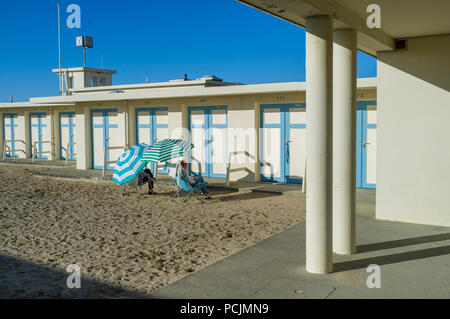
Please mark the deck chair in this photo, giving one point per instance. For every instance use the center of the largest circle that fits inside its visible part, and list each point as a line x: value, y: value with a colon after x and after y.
x: 183, y: 184
x: 137, y: 183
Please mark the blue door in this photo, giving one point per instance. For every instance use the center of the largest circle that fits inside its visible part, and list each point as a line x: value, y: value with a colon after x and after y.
x: 38, y: 134
x: 152, y: 125
x: 208, y: 129
x: 104, y: 130
x: 66, y: 134
x: 9, y: 133
x: 366, y: 144
x: 283, y: 142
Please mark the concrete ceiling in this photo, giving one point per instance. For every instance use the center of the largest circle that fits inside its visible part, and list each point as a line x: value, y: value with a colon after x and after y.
x: 407, y: 18
x: 399, y: 18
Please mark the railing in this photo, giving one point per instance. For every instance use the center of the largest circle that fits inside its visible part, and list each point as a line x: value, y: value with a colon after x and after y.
x: 6, y: 147
x: 198, y: 163
x: 157, y: 167
x: 68, y: 154
x: 36, y: 153
x: 230, y: 170
x: 105, y: 155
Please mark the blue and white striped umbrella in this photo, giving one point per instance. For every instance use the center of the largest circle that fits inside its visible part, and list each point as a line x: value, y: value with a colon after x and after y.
x: 130, y: 164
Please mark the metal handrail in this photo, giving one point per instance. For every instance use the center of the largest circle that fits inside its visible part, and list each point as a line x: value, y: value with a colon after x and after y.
x: 105, y: 162
x: 229, y: 170
x: 198, y: 163
x: 67, y: 152
x: 5, y: 146
x: 36, y: 153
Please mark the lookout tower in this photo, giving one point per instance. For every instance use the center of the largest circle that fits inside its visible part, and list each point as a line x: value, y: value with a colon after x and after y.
x: 83, y: 77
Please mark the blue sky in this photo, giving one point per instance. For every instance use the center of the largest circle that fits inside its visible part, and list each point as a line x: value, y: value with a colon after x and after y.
x: 156, y: 38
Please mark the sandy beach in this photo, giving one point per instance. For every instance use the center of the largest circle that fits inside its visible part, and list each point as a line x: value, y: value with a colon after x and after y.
x: 124, y: 246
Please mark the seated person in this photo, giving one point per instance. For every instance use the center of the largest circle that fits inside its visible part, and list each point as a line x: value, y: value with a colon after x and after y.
x: 147, y: 178
x: 195, y: 180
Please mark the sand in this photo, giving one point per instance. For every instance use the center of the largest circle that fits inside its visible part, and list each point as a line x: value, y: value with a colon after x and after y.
x: 124, y: 246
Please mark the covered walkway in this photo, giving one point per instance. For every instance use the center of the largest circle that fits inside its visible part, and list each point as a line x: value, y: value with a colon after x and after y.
x: 414, y: 259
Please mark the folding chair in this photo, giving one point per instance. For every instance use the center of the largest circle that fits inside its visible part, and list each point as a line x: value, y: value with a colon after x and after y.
x: 183, y: 185
x: 137, y: 183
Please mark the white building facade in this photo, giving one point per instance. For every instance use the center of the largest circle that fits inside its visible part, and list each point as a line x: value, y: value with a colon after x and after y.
x: 251, y: 132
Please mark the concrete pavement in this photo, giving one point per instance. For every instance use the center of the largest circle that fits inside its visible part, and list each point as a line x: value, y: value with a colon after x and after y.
x: 414, y: 262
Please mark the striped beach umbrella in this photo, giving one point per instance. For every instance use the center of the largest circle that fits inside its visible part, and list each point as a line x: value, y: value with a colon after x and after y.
x: 166, y: 150
x: 130, y: 164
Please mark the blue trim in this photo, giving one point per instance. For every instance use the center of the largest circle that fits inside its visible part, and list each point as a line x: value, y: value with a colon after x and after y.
x: 39, y: 126
x: 153, y: 126
x: 105, y: 126
x: 208, y: 126
x: 284, y: 126
x: 12, y: 126
x: 71, y: 125
x: 361, y: 152
x: 280, y: 126
x: 297, y: 125
x: 359, y: 139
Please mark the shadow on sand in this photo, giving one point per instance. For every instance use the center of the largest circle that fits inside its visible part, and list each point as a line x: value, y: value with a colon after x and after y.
x: 227, y: 195
x: 20, y: 279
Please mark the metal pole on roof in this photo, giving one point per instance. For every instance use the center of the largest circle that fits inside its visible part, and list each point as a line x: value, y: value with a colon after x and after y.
x: 84, y: 56
x: 59, y: 49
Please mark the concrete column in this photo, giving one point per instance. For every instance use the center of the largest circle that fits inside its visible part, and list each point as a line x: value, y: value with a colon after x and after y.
x: 57, y: 137
x: 132, y: 124
x: 344, y: 141
x: 258, y: 134
x: 83, y: 138
x: 122, y: 117
x: 319, y: 106
x: 178, y: 122
x: 185, y: 121
x: 51, y: 123
x: 27, y: 129
x: 2, y: 138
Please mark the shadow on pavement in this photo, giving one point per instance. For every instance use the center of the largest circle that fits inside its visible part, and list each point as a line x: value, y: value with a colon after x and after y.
x: 391, y: 259
x: 403, y: 242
